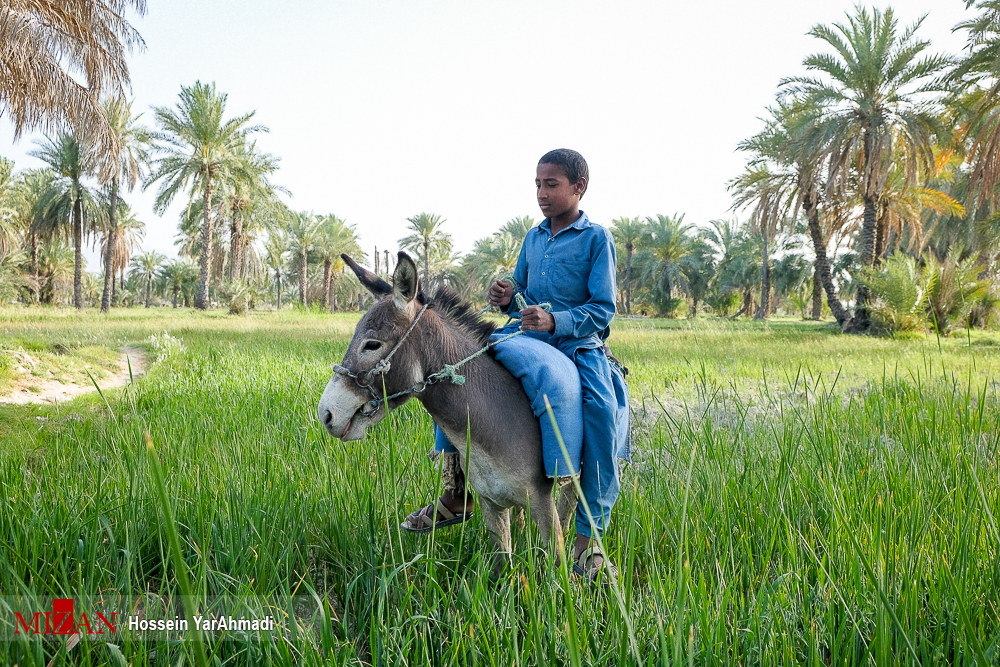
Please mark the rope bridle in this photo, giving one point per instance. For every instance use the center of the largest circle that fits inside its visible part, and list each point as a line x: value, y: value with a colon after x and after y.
x: 449, y: 372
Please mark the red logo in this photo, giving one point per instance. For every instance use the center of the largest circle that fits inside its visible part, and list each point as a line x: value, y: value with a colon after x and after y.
x: 62, y: 621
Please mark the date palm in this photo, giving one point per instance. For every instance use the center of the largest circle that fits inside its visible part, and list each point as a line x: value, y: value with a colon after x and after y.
x: 247, y: 190
x: 981, y: 68
x: 628, y: 232
x: 303, y: 236
x: 200, y: 151
x: 275, y: 258
x: 145, y: 267
x: 874, y: 89
x: 127, y: 233
x: 428, y: 240
x: 794, y: 148
x: 58, y: 58
x: 336, y: 237
x: 27, y: 193
x: 10, y: 223
x: 666, y: 242
x: 72, y: 162
x: 125, y: 167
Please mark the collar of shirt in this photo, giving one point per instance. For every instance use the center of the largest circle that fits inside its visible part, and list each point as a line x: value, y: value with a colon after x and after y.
x: 581, y: 223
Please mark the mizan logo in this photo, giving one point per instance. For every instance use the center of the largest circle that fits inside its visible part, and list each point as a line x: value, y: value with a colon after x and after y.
x: 62, y: 621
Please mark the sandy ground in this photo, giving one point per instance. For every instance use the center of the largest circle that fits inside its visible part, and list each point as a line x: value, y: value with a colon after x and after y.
x: 54, y: 392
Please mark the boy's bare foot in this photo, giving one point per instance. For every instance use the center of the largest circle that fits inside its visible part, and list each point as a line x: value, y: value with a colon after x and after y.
x: 590, y: 562
x: 451, y: 508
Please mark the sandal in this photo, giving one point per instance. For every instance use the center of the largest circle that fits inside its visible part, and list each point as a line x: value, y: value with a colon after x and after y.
x: 601, y: 574
x: 426, y: 524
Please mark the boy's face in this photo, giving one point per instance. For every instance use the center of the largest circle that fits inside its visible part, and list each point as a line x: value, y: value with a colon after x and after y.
x: 556, y: 195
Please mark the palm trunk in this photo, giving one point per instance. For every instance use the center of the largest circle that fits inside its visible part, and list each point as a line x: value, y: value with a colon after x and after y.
x: 202, y: 301
x: 327, y: 271
x: 427, y: 266
x: 862, y: 315
x: 176, y: 289
x: 34, y: 265
x: 149, y: 285
x: 236, y: 247
x: 333, y: 294
x: 279, y: 292
x: 302, y: 277
x: 881, y: 227
x: 78, y: 252
x: 822, y: 261
x: 628, y: 278
x: 110, y: 249
x: 765, y: 287
x: 817, y: 300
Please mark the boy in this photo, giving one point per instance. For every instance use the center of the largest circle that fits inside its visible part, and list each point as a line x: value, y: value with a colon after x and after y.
x: 570, y: 263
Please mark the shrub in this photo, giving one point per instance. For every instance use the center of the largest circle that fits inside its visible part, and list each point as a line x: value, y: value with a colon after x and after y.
x: 901, y: 289
x: 956, y: 290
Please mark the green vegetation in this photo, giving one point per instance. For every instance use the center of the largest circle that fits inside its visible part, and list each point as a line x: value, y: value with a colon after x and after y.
x: 797, y: 496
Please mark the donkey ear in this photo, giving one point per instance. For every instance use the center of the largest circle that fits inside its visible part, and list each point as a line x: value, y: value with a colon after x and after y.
x: 375, y: 285
x: 405, y: 281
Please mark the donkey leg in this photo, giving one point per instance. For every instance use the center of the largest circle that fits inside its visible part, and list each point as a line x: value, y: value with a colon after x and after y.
x: 497, y: 520
x: 518, y: 519
x: 543, y: 513
x: 567, y: 502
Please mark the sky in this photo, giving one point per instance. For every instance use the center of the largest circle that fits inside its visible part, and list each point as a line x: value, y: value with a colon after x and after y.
x: 382, y: 110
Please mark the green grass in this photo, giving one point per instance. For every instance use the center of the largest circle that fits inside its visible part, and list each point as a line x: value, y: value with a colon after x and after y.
x: 797, y: 497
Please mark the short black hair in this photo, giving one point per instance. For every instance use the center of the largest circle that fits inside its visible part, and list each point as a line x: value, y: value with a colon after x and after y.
x: 572, y: 164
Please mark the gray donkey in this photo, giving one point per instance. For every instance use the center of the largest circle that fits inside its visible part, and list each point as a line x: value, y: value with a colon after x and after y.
x: 405, y: 338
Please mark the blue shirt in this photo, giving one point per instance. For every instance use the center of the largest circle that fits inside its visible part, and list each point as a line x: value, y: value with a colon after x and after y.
x: 575, y: 272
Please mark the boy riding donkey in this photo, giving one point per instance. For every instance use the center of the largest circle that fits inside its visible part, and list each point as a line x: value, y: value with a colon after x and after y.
x: 568, y: 263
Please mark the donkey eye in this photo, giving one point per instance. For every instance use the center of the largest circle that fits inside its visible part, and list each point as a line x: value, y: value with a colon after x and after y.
x: 372, y: 345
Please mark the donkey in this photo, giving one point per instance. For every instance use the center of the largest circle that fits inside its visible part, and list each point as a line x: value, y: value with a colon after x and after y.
x: 504, y: 464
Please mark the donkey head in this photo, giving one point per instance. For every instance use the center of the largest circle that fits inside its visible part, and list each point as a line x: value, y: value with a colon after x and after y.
x: 345, y: 408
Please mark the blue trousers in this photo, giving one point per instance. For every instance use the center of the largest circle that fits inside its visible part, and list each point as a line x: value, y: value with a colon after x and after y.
x: 591, y: 406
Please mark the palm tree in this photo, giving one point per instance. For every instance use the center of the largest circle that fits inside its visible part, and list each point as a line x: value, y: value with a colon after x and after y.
x: 71, y: 162
x: 628, y: 232
x: 979, y: 110
x: 303, y: 234
x: 57, y: 59
x: 134, y: 143
x: 201, y: 150
x: 28, y: 194
x: 427, y: 239
x: 248, y: 189
x: 666, y: 242
x: 177, y: 275
x: 335, y: 238
x: 876, y: 89
x: 793, y: 152
x: 275, y: 249
x: 11, y: 225
x: 518, y: 227
x: 128, y: 230
x: 772, y: 195
x: 55, y: 264
x: 145, y: 266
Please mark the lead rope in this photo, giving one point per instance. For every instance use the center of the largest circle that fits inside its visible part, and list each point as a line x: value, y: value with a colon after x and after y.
x: 449, y: 372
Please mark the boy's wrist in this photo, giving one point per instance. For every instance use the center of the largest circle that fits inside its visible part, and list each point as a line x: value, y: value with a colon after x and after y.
x: 563, y: 323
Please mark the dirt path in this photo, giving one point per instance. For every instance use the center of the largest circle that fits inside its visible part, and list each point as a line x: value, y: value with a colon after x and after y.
x: 53, y: 391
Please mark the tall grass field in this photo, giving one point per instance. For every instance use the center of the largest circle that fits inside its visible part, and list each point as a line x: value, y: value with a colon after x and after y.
x: 797, y: 497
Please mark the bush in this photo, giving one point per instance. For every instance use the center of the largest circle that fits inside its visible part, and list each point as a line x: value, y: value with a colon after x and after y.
x: 956, y: 291
x: 900, y: 289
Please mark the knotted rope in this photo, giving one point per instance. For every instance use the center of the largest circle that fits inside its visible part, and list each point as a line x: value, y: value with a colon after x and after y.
x: 449, y: 372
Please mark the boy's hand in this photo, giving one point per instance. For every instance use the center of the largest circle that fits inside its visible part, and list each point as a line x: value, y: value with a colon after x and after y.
x: 534, y: 318
x: 500, y: 294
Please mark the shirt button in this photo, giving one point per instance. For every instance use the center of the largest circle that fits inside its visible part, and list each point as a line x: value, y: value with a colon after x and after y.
x: 543, y: 273
x: 546, y: 255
